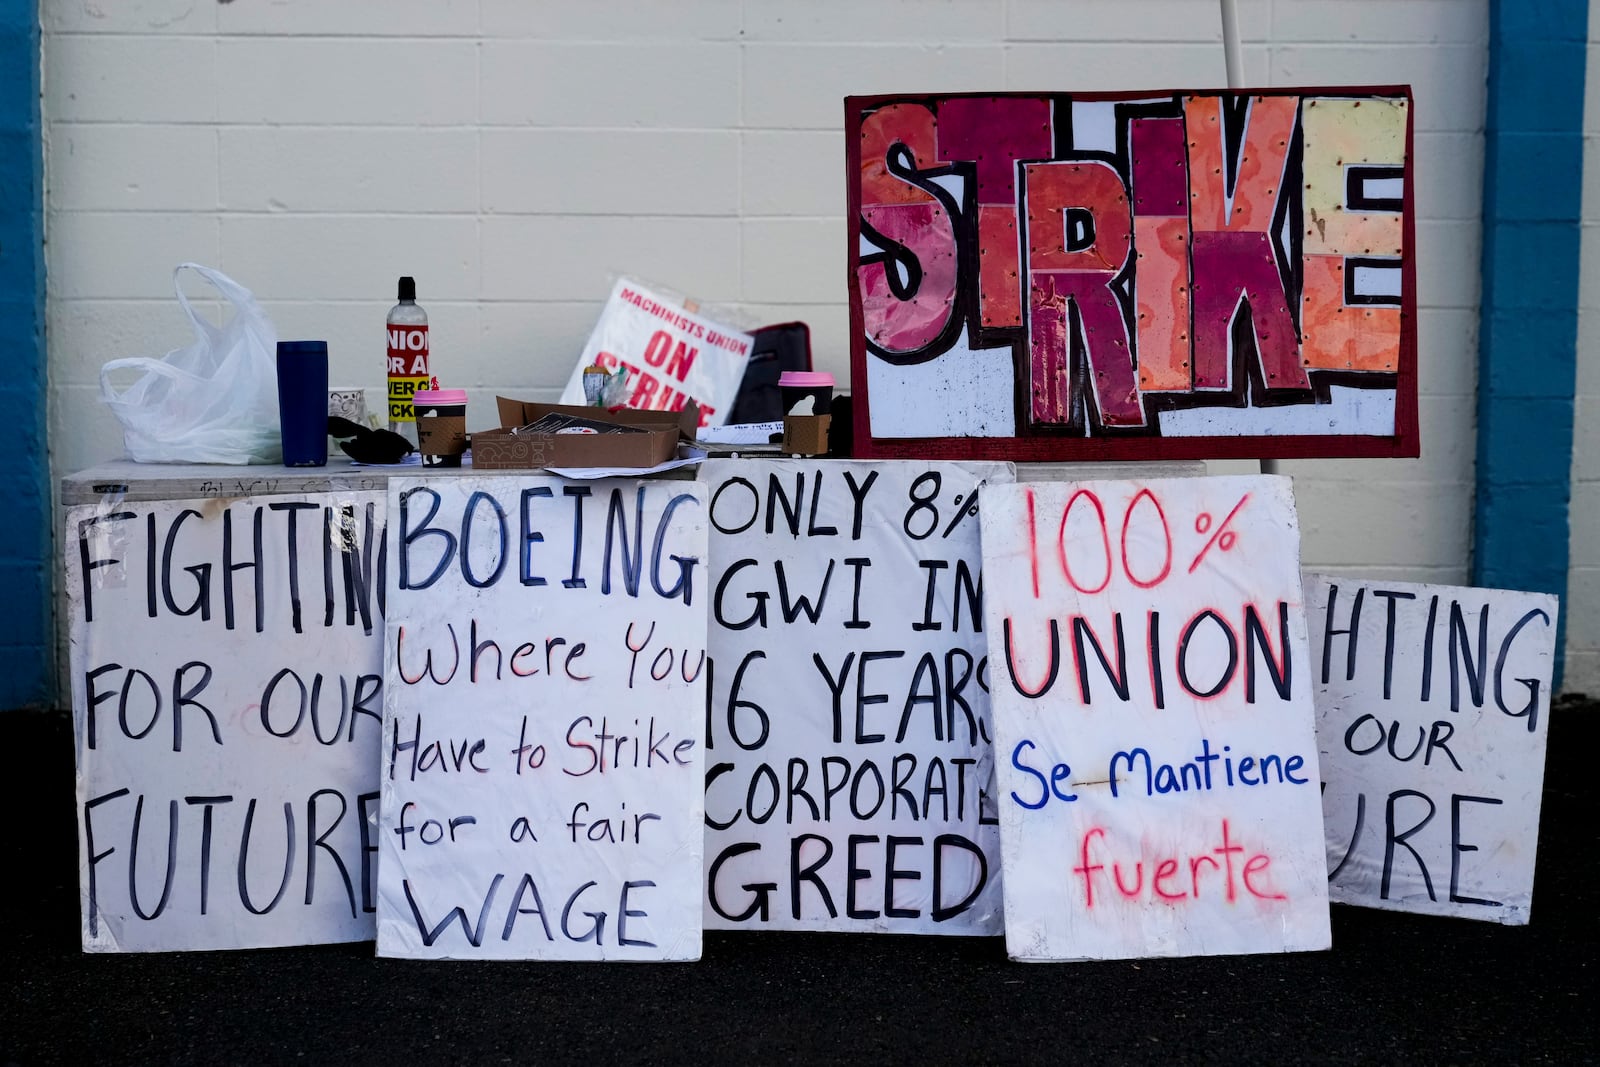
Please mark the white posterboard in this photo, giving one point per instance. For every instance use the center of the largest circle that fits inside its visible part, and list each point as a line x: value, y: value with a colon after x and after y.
x: 542, y: 770
x: 849, y: 764
x: 672, y: 355
x: 227, y: 700
x: 1153, y: 719
x: 1432, y: 707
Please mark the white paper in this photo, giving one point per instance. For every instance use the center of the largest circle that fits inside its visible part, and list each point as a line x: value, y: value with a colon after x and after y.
x: 1433, y: 703
x: 227, y: 698
x: 1153, y: 719
x: 850, y: 774
x: 590, y: 474
x: 542, y: 771
x: 744, y: 433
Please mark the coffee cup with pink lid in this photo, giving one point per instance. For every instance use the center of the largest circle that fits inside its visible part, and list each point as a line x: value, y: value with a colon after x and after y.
x: 441, y: 426
x: 806, y: 392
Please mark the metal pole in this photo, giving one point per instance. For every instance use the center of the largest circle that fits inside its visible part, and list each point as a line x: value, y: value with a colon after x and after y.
x: 1235, y: 68
x: 1230, y: 44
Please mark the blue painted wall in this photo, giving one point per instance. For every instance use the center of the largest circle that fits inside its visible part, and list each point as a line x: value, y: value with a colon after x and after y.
x: 1527, y: 358
x: 27, y: 640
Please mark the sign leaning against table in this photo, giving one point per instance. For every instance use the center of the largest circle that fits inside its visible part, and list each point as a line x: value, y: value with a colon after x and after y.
x: 1153, y: 719
x: 541, y: 766
x: 1433, y: 704
x: 227, y: 693
x: 849, y: 754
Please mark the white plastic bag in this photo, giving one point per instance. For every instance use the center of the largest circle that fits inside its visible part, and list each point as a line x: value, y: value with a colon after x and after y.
x: 214, y: 401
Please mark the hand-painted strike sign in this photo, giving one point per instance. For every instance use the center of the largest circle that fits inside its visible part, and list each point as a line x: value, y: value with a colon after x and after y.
x: 541, y: 766
x: 1153, y: 720
x: 849, y: 764
x: 1432, y: 708
x: 228, y: 698
x: 1133, y: 275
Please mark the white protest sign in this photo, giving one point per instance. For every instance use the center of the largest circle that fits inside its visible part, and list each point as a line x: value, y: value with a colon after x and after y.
x: 1153, y: 719
x: 849, y: 765
x: 1432, y: 707
x: 227, y: 698
x: 672, y: 355
x: 542, y: 771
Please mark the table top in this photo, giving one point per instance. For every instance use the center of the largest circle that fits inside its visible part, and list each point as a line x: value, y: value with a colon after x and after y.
x: 179, y: 481
x: 127, y: 480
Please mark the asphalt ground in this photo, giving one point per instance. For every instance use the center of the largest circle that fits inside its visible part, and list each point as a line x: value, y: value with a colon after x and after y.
x: 1394, y: 989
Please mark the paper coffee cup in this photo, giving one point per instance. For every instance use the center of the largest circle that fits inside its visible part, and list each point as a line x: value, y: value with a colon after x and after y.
x: 807, y: 401
x: 806, y: 392
x: 441, y: 426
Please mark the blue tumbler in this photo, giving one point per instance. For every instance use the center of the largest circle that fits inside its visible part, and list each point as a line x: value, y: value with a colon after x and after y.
x: 303, y: 402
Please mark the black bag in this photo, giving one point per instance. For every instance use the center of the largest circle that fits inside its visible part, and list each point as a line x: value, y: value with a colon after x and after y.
x: 786, y: 346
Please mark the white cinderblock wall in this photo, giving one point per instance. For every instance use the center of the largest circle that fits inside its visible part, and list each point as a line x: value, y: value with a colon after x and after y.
x: 514, y: 154
x: 1582, y: 603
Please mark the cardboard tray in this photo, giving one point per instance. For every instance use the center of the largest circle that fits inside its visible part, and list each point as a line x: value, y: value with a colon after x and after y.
x: 503, y: 450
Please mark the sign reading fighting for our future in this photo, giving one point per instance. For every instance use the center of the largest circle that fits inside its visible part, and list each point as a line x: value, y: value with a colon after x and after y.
x: 1153, y: 718
x: 849, y: 766
x: 1432, y: 707
x: 541, y: 763
x: 227, y: 698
